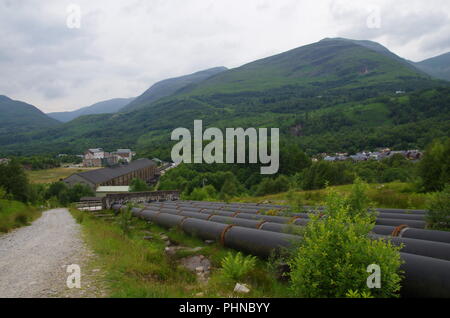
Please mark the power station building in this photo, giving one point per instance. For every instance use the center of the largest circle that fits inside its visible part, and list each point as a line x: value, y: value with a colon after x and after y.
x: 119, y: 175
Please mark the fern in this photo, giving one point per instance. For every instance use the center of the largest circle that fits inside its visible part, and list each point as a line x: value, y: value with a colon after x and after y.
x: 235, y: 267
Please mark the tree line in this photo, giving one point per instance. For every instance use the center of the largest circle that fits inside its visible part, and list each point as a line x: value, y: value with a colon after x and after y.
x: 16, y: 186
x: 298, y: 171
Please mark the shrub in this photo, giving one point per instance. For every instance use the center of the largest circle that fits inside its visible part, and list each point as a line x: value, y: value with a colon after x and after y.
x: 229, y: 187
x: 335, y: 252
x: 434, y: 168
x: 14, y: 180
x: 138, y: 185
x: 79, y: 217
x: 2, y: 196
x: 438, y: 216
x: 202, y: 194
x: 358, y: 200
x: 2, y: 193
x: 235, y: 267
x: 273, y: 186
x: 75, y: 193
x: 125, y: 220
x: 21, y: 219
x: 295, y: 201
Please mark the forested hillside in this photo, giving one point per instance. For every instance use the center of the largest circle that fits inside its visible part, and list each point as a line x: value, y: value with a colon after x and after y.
x: 170, y: 86
x: 17, y: 117
x: 438, y: 66
x: 334, y: 95
x: 104, y: 107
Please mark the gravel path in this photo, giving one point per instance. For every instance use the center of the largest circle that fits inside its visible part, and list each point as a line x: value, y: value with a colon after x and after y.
x: 34, y: 259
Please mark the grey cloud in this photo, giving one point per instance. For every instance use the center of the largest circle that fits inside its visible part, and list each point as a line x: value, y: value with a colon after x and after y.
x: 124, y: 47
x: 403, y: 23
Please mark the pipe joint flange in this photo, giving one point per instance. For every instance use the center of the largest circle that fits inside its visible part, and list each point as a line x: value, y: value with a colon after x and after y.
x: 224, y: 232
x: 399, y: 230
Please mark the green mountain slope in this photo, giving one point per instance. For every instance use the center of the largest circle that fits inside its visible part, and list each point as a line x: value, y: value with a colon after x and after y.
x: 329, y: 63
x: 171, y: 86
x: 328, y: 96
x: 17, y: 117
x: 103, y: 107
x: 438, y: 66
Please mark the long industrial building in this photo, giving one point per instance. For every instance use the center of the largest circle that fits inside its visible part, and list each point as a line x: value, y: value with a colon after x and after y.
x: 120, y: 175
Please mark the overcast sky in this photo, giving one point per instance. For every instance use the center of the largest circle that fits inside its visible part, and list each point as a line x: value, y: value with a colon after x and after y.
x: 122, y: 47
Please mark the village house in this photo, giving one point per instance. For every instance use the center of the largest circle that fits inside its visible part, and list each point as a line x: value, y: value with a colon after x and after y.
x: 4, y: 160
x: 119, y: 175
x: 97, y: 157
x: 124, y: 154
x: 380, y: 154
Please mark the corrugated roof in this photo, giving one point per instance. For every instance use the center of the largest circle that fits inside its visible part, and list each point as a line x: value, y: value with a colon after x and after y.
x: 106, y: 174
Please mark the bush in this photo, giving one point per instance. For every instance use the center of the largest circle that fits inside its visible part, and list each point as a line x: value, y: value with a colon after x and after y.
x: 15, y: 214
x: 75, y: 193
x: 198, y: 194
x: 138, y: 185
x: 235, y: 267
x: 438, y: 216
x: 14, y: 181
x: 202, y: 194
x: 358, y: 201
x: 21, y: 219
x: 295, y: 201
x: 2, y: 193
x: 335, y: 252
x: 58, y: 191
x: 434, y: 168
x: 125, y: 221
x: 273, y: 186
x: 322, y: 173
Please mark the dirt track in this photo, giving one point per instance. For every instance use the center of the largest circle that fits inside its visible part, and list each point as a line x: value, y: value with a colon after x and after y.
x: 34, y: 259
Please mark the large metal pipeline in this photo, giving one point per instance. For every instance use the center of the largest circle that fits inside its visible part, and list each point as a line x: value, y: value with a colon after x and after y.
x: 408, y: 232
x: 277, y: 207
x: 227, y: 233
x: 418, y: 247
x: 389, y: 215
x: 424, y: 276
x: 398, y: 222
x: 380, y: 215
x: 413, y: 246
x: 385, y: 218
x: 383, y: 227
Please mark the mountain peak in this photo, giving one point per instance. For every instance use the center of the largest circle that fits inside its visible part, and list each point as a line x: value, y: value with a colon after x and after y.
x: 18, y: 116
x: 4, y: 98
x: 438, y: 66
x: 172, y: 86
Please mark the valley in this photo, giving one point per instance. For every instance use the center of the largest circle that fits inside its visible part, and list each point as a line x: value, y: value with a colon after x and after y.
x: 363, y: 158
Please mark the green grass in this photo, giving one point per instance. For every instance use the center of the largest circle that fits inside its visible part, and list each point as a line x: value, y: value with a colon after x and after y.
x: 14, y: 214
x: 136, y: 267
x: 53, y: 175
x: 395, y: 195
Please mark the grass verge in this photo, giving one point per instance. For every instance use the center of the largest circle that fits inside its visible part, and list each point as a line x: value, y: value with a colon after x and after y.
x: 136, y: 267
x: 395, y: 195
x: 14, y: 214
